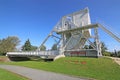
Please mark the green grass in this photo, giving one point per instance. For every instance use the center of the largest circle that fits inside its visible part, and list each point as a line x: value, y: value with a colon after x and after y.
x: 6, y: 75
x: 97, y: 68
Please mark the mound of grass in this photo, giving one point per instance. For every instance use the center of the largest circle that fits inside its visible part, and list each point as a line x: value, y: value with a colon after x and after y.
x: 5, y: 75
x: 97, y: 68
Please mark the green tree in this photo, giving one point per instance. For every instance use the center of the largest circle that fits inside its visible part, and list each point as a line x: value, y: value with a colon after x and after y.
x: 43, y: 48
x: 118, y: 54
x: 90, y: 47
x: 34, y: 48
x: 27, y: 46
x: 106, y: 53
x: 86, y: 47
x: 103, y: 48
x: 54, y: 47
x: 9, y: 44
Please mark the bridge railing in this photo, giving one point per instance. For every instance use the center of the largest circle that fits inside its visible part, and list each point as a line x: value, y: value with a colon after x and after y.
x: 33, y: 53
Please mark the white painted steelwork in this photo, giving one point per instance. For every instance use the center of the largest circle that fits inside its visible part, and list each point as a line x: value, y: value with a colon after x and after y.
x: 73, y: 34
x: 33, y: 53
x: 74, y: 31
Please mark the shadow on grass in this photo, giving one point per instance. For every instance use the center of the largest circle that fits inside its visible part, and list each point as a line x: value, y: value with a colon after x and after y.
x: 36, y: 59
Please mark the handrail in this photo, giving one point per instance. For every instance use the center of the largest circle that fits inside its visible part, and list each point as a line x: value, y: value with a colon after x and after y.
x: 33, y: 53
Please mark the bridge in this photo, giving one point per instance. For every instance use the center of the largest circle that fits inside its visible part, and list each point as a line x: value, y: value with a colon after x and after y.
x: 53, y: 55
x: 73, y: 32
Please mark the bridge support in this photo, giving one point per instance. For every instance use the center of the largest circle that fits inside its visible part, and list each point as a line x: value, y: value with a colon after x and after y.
x: 98, y: 44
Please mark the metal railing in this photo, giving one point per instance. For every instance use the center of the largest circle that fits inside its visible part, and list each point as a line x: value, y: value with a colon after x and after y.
x: 33, y: 53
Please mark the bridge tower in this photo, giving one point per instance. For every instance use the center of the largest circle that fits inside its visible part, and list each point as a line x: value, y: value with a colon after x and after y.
x: 74, y: 32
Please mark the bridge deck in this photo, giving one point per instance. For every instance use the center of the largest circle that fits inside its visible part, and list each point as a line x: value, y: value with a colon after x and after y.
x: 42, y: 54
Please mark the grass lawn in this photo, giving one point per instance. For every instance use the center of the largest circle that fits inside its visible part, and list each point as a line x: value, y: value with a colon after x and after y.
x: 97, y: 68
x: 6, y: 75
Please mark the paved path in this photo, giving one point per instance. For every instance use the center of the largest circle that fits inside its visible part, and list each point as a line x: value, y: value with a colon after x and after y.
x: 34, y: 74
x: 117, y: 60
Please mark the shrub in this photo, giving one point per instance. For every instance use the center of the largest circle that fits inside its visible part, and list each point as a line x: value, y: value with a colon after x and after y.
x: 106, y: 53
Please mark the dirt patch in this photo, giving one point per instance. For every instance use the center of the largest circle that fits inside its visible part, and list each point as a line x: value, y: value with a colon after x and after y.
x: 4, y: 59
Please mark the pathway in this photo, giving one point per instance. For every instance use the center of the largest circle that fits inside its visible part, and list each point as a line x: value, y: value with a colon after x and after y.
x: 117, y: 60
x: 34, y: 74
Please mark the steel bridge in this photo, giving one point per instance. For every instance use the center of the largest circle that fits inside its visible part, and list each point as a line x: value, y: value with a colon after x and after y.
x: 73, y: 32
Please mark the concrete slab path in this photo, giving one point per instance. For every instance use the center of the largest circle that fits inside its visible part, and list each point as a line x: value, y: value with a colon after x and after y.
x: 117, y: 60
x: 34, y: 74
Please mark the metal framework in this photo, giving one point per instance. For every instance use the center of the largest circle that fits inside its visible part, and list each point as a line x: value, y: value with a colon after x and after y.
x: 73, y: 30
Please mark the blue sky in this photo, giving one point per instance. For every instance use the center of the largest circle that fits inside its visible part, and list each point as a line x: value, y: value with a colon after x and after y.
x: 34, y: 19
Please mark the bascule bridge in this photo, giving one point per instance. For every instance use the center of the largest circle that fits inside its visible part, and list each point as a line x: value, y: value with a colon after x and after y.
x: 73, y: 31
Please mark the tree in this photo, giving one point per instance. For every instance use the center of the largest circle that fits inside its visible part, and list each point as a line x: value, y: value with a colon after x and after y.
x: 54, y: 47
x: 90, y: 47
x: 118, y: 54
x: 103, y: 48
x: 43, y: 48
x: 86, y: 47
x: 9, y: 44
x: 33, y: 48
x: 106, y: 53
x: 27, y: 46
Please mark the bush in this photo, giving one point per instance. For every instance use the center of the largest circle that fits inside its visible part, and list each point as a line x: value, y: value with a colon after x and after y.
x: 2, y: 54
x: 119, y: 55
x: 106, y: 54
